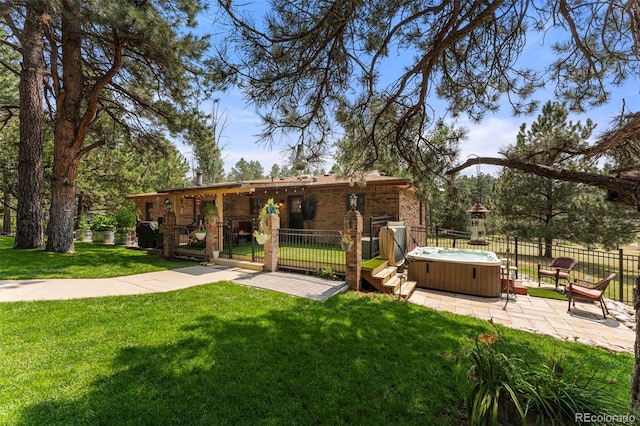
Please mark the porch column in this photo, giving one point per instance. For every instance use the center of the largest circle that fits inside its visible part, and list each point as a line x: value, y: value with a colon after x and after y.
x: 212, y: 238
x: 353, y: 225
x: 271, y: 246
x: 169, y: 235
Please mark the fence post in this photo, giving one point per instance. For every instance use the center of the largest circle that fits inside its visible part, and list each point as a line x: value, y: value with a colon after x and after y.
x: 211, y: 238
x: 271, y: 246
x: 621, y: 274
x: 169, y: 235
x: 353, y: 269
x: 515, y: 253
x: 437, y: 232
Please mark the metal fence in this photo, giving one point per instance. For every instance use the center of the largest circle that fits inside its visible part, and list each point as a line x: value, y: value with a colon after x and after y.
x: 238, y: 240
x: 187, y: 245
x: 526, y: 255
x: 313, y: 251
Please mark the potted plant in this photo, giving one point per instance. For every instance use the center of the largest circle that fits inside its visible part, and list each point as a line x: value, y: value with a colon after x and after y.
x: 210, y: 209
x: 126, y: 219
x: 201, y: 232
x: 103, y: 228
x: 346, y: 242
x: 270, y: 207
x: 260, y: 236
x: 83, y: 233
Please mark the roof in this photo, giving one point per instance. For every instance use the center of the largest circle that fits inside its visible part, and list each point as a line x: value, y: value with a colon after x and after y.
x: 325, y: 181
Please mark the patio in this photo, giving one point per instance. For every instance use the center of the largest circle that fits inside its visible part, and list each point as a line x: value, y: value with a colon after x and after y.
x: 583, y: 324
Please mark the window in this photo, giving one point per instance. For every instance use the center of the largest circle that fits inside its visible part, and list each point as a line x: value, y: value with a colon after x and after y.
x: 148, y: 209
x: 254, y: 206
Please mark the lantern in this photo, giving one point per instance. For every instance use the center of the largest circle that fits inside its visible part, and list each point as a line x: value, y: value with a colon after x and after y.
x: 353, y: 202
x: 478, y: 228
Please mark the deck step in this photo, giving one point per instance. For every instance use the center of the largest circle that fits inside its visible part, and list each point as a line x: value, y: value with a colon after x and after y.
x: 406, y: 289
x: 393, y: 282
x: 386, y: 273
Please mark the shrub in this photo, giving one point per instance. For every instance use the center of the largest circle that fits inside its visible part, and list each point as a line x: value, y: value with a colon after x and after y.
x: 103, y: 223
x: 503, y: 386
x: 126, y: 218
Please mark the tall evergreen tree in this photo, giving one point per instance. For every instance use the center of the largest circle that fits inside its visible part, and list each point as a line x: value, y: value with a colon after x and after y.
x: 132, y: 63
x: 548, y: 209
x: 9, y: 134
x: 206, y: 136
x: 246, y: 170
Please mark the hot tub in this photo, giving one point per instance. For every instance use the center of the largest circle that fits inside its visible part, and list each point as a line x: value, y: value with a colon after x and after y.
x: 475, y: 272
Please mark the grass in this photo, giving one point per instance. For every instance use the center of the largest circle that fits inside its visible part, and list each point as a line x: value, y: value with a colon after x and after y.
x: 90, y: 261
x: 328, y: 253
x: 547, y: 293
x: 228, y: 354
x: 372, y: 264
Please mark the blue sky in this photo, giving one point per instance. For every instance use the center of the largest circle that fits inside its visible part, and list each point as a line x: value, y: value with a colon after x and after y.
x: 486, y: 138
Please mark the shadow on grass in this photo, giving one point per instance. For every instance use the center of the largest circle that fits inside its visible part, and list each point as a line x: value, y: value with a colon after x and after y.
x: 329, y: 363
x: 349, y: 360
x: 90, y: 261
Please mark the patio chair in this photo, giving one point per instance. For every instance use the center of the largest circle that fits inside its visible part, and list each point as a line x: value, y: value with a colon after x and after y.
x: 589, y: 292
x: 558, y: 269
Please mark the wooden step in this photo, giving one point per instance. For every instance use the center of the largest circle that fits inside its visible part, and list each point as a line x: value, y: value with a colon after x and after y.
x: 406, y: 289
x: 385, y: 274
x: 393, y: 282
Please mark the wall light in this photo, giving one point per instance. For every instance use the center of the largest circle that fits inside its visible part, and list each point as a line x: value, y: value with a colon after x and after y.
x: 353, y: 202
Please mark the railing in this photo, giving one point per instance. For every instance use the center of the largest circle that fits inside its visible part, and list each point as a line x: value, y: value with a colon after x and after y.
x: 239, y: 242
x: 187, y: 245
x: 314, y: 251
x: 526, y: 255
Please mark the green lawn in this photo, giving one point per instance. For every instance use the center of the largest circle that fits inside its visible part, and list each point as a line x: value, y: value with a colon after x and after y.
x: 90, y: 261
x: 229, y: 354
x: 327, y: 253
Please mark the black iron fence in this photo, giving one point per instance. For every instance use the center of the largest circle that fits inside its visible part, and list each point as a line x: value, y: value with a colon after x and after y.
x: 238, y: 240
x: 190, y: 243
x: 313, y: 251
x: 526, y: 255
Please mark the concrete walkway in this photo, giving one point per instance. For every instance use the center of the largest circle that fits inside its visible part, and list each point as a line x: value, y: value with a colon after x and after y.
x: 153, y: 282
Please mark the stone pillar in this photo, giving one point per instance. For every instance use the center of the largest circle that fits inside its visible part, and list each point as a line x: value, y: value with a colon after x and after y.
x: 211, y: 240
x: 353, y: 225
x: 271, y: 246
x: 169, y: 235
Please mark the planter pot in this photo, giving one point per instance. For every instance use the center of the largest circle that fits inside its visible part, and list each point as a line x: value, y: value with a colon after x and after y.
x: 346, y: 246
x: 271, y: 209
x: 84, y: 235
x: 216, y: 254
x: 261, y: 239
x: 122, y: 238
x: 200, y: 235
x: 104, y: 237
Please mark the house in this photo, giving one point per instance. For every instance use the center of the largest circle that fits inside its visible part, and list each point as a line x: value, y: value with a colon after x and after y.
x: 316, y: 202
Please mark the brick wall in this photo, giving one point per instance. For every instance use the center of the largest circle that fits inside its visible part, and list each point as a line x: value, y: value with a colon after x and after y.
x: 330, y: 205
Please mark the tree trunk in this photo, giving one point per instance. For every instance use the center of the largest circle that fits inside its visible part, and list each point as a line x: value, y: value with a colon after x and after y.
x: 635, y: 375
x: 66, y: 137
x: 29, y: 231
x: 63, y: 191
x: 6, y: 219
x: 548, y: 247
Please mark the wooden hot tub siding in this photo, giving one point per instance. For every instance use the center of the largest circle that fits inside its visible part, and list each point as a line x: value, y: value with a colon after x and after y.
x: 477, y: 280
